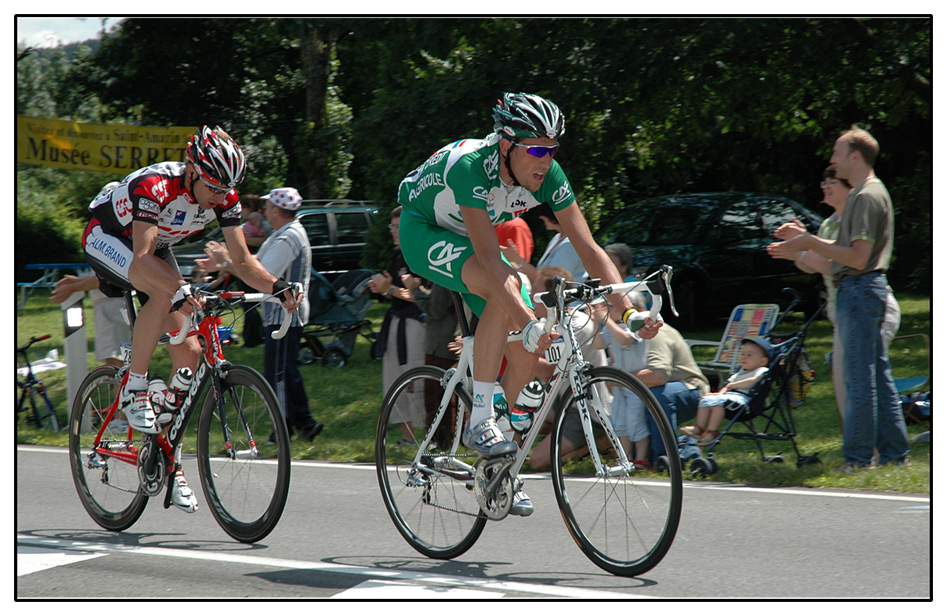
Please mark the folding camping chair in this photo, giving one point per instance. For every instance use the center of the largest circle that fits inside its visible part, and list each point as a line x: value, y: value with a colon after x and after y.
x: 746, y: 321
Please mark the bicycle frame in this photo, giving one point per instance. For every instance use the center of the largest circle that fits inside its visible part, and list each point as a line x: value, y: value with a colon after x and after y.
x: 30, y: 383
x: 210, y: 369
x: 570, y: 365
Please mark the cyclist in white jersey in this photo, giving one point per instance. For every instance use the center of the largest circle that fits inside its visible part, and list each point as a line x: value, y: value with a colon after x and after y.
x: 451, y: 203
x: 127, y: 244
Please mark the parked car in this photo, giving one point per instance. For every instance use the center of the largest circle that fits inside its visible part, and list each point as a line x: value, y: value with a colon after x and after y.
x: 716, y: 244
x: 337, y: 230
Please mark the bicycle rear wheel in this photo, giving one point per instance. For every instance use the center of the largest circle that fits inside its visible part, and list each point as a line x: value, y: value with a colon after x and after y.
x: 432, y: 503
x: 246, y: 475
x: 623, y: 520
x: 108, y: 487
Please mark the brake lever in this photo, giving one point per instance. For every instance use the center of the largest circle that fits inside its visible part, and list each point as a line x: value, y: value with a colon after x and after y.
x: 666, y: 273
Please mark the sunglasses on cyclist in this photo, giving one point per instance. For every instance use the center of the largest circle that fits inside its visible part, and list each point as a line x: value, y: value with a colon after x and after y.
x: 218, y: 190
x: 539, y: 151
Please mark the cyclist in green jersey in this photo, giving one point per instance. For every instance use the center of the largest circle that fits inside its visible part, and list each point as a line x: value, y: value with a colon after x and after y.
x: 451, y: 203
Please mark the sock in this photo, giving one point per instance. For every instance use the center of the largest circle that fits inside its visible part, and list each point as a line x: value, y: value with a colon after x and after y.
x: 484, y: 392
x: 136, y: 382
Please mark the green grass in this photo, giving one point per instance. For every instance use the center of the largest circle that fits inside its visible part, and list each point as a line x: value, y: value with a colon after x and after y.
x: 346, y: 400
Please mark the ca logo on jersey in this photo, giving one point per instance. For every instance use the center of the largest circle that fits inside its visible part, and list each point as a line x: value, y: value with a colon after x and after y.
x: 492, y: 165
x: 562, y: 194
x: 441, y: 255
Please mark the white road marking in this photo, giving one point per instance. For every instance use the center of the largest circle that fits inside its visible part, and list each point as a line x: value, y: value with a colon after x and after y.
x: 404, y: 576
x: 30, y: 559
x: 389, y: 590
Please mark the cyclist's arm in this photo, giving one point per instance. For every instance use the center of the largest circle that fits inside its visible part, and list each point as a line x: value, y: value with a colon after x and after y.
x: 502, y: 283
x: 595, y: 260
x: 148, y: 272
x: 248, y: 268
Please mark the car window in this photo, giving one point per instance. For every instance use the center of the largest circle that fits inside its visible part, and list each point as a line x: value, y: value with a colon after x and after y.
x: 775, y: 213
x: 318, y: 230
x: 741, y: 222
x: 351, y: 227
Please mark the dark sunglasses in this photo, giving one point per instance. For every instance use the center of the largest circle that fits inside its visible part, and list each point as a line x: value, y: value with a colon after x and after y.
x: 539, y: 151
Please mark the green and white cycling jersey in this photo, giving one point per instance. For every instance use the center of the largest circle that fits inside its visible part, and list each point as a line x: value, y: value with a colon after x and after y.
x: 467, y: 173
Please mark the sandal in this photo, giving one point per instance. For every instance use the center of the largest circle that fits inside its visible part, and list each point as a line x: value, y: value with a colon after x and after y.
x: 708, y: 437
x: 640, y: 465
x: 693, y: 431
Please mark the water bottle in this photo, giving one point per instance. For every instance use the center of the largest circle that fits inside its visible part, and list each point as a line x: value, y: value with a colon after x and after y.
x: 529, y: 401
x: 177, y: 389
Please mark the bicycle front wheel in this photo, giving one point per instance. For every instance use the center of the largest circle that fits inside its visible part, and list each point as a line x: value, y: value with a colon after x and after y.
x: 244, y: 455
x: 623, y: 520
x: 108, y: 485
x: 431, y: 503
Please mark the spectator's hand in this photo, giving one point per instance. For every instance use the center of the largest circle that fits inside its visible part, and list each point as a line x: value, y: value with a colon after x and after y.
x: 380, y: 283
x: 218, y: 256
x: 782, y: 250
x: 65, y: 287
x: 790, y: 230
x: 650, y: 329
x: 455, y: 346
x: 598, y: 311
x: 411, y: 282
x: 511, y: 253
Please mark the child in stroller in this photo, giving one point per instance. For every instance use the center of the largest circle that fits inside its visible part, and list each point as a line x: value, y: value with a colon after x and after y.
x: 755, y: 354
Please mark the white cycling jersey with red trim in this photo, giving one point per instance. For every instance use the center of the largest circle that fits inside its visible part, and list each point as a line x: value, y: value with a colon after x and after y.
x: 157, y: 194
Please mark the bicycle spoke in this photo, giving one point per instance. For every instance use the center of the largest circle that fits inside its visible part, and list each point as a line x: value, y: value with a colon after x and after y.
x: 623, y: 520
x: 431, y: 501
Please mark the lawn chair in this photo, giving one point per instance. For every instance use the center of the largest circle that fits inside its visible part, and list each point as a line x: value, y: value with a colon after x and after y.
x: 746, y: 321
x: 914, y: 391
x: 768, y: 416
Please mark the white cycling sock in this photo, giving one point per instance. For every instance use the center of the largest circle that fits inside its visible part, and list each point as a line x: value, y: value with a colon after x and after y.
x: 136, y: 382
x: 483, y: 394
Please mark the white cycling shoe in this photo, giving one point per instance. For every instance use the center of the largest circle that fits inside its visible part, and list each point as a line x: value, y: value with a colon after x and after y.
x: 183, y: 497
x: 139, y: 412
x: 487, y: 439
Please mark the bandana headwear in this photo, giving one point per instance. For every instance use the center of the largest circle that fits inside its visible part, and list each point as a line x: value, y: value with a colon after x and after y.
x: 284, y: 198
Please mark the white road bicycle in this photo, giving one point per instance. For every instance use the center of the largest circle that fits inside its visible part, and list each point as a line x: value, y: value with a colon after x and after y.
x: 441, y: 496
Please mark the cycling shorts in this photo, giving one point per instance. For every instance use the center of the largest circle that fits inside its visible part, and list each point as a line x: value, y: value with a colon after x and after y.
x: 437, y: 254
x: 110, y: 257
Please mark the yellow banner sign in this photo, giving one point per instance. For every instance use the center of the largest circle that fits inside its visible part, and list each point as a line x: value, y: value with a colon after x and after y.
x: 98, y: 147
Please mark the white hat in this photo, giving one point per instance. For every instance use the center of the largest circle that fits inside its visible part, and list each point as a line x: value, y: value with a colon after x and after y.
x: 284, y: 198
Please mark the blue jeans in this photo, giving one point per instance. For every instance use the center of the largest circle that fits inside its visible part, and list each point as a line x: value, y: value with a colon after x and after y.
x: 675, y: 397
x: 872, y: 414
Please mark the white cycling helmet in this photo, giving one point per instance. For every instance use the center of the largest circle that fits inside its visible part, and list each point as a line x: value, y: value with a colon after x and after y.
x: 217, y: 157
x: 523, y: 116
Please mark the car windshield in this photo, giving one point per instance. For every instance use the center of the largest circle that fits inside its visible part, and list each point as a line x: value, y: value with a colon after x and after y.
x: 658, y: 223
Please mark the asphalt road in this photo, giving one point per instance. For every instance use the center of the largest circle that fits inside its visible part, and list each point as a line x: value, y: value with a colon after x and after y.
x: 335, y: 540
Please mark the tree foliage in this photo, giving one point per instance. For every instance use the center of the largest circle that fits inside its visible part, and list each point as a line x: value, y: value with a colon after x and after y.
x: 347, y: 106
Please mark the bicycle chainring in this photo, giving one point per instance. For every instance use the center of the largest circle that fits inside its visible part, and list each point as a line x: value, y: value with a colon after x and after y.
x: 153, y: 475
x: 495, y: 504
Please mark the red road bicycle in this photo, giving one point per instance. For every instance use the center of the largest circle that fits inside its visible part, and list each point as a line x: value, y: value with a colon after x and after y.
x: 243, y: 449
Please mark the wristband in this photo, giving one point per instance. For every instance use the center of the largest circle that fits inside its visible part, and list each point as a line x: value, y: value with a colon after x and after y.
x: 801, y: 257
x: 280, y: 285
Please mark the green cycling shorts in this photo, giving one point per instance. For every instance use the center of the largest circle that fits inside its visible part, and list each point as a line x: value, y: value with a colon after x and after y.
x: 437, y: 254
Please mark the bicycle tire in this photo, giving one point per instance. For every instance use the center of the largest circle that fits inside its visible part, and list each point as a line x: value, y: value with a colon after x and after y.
x: 108, y: 488
x: 626, y: 522
x: 436, y: 514
x: 47, y: 420
x: 247, y: 492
